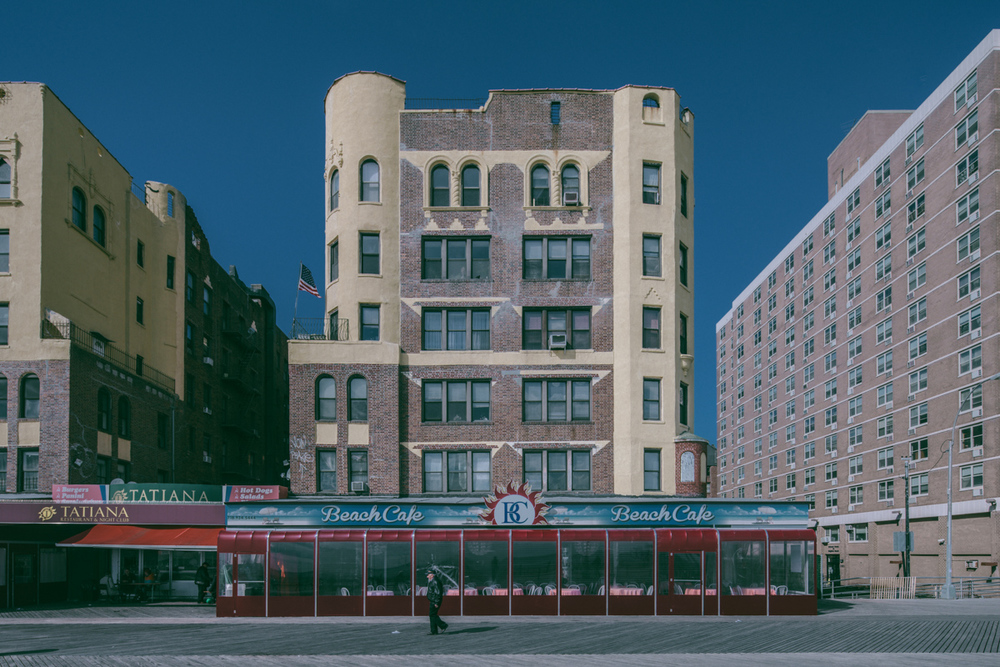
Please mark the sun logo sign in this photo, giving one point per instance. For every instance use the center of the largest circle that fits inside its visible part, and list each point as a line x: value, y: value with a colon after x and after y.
x: 514, y: 505
x: 46, y: 513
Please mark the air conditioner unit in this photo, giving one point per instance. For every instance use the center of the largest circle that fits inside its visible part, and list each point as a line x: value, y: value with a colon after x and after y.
x: 850, y: 508
x: 970, y: 101
x: 974, y: 256
x: 910, y: 330
x: 888, y: 372
x: 909, y: 261
x: 791, y: 466
x: 557, y: 341
x: 850, y: 449
x: 888, y: 438
x: 207, y: 410
x: 850, y: 390
x: 973, y: 138
x: 848, y: 247
x: 977, y: 372
x: 975, y: 334
x: 911, y: 397
x: 977, y: 412
x: 974, y: 216
x: 911, y: 364
x: 977, y: 451
x: 973, y: 176
x: 889, y: 503
x: 850, y: 478
x: 977, y: 492
x: 850, y: 302
x: 850, y: 420
x: 209, y: 361
x: 205, y: 457
x: 833, y: 510
x: 909, y: 193
x: 909, y: 228
x: 850, y: 361
x: 888, y: 405
x: 357, y: 487
x: 908, y: 161
x: 889, y: 470
x: 974, y: 295
x: 571, y: 199
x: 911, y: 431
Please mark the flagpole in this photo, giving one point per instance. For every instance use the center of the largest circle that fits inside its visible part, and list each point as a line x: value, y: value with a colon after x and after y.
x: 295, y: 312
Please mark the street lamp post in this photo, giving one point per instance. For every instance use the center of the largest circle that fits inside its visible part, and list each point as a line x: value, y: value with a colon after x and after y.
x: 906, y: 521
x: 949, y: 588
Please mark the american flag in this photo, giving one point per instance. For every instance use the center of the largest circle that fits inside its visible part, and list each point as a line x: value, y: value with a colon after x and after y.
x: 306, y: 281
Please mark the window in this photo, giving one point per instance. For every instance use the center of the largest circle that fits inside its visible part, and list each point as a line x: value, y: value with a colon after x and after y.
x: 883, y: 236
x: 916, y: 277
x: 326, y: 398
x: 966, y: 92
x: 915, y: 208
x: 967, y: 130
x: 916, y: 243
x: 466, y: 259
x: 335, y: 261
x: 103, y: 410
x: 556, y: 400
x: 854, y: 259
x: 854, y: 376
x: 807, y: 245
x: 27, y: 470
x: 968, y: 245
x: 915, y: 174
x: 830, y: 362
x: 807, y: 270
x: 170, y: 204
x: 884, y: 395
x: 171, y: 265
x: 884, y: 426
x: 830, y: 446
x: 857, y: 532
x: 456, y: 400
x: 808, y: 374
x: 853, y: 201
x: 651, y: 470
x: 326, y: 470
x: 918, y: 381
x: 651, y: 257
x: 651, y: 399
x: 915, y: 140
x: 369, y: 181
x: 919, y: 450
x: 440, y: 186
x: 560, y: 470
x: 885, y: 459
x: 682, y: 339
x: 968, y: 284
x: 650, y: 183
x: 882, y: 174
x: 4, y: 323
x: 969, y: 360
x: 466, y: 329
x: 918, y: 346
x: 830, y: 334
x: 540, y: 185
x: 334, y: 190
x: 967, y: 168
x: 651, y: 329
x: 79, y: 209
x: 139, y: 316
x: 466, y: 471
x: 883, y: 300
x: 831, y: 472
x: 830, y: 252
x: 972, y: 476
x: 556, y: 258
x: 969, y: 321
x: 357, y: 405
x: 5, y: 193
x: 369, y: 249
x: 100, y: 226
x: 918, y: 415
x: 124, y: 418
x: 830, y: 225
x: 853, y: 230
x: 917, y: 312
x: 140, y: 253
x: 971, y: 436
x: 883, y: 268
x: 369, y: 322
x: 553, y: 328
x: 571, y: 185
x: 831, y: 417
x: 971, y: 398
x: 357, y: 468
x: 883, y: 332
x: 29, y: 395
x: 830, y: 389
x: 919, y: 485
x: 883, y: 363
x: 189, y: 337
x: 684, y: 194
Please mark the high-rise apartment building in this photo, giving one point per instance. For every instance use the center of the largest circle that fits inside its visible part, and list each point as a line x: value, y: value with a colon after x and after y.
x: 853, y: 353
x: 126, y: 351
x: 509, y: 297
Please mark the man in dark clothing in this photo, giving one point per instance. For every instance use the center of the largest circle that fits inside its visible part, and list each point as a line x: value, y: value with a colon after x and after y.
x: 202, y: 579
x: 434, y: 596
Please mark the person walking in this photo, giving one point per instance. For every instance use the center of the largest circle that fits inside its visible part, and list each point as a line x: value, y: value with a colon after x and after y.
x: 202, y: 579
x: 434, y: 597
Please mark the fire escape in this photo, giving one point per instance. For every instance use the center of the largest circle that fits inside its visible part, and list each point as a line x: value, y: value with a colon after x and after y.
x: 242, y: 382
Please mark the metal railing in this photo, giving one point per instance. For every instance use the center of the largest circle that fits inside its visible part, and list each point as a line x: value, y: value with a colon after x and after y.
x: 432, y: 103
x: 125, y: 361
x: 316, y: 328
x: 859, y: 588
x: 139, y: 191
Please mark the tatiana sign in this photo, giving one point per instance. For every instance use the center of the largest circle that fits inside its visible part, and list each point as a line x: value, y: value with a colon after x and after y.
x: 143, y: 514
x: 507, y: 509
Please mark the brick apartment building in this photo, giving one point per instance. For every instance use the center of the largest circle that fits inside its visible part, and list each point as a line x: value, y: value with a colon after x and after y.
x: 857, y: 347
x: 509, y: 297
x: 126, y: 351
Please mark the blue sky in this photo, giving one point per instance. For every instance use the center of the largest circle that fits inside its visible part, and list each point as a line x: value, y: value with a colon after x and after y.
x: 224, y: 100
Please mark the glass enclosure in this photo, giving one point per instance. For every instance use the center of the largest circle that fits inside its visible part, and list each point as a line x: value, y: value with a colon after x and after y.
x: 291, y: 568
x: 631, y: 566
x: 582, y: 567
x: 486, y: 566
x: 340, y: 568
x: 250, y: 568
x: 443, y: 558
x: 533, y: 567
x: 743, y: 568
x: 791, y: 568
x: 388, y: 568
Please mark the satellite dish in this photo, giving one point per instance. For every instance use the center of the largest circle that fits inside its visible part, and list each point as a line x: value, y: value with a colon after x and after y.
x: 118, y: 480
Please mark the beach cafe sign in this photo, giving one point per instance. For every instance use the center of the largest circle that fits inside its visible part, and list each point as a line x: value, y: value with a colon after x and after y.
x: 516, y: 505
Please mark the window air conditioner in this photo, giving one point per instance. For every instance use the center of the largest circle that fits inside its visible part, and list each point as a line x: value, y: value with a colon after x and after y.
x: 973, y: 176
x: 909, y: 193
x: 911, y: 397
x: 205, y: 457
x: 209, y: 361
x: 910, y: 330
x: 974, y: 295
x: 977, y: 412
x: 571, y: 199
x: 889, y: 503
x: 977, y: 451
x: 975, y: 334
x: 909, y: 228
x: 850, y: 478
x: 911, y: 431
x: 833, y: 510
x: 970, y: 101
x: 908, y: 161
x: 974, y: 255
x: 357, y: 487
x: 977, y: 492
x: 977, y: 372
x: 557, y: 341
x: 973, y: 138
x: 208, y: 410
x: 909, y: 261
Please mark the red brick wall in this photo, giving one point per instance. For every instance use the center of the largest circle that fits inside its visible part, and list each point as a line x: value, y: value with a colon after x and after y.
x: 690, y: 489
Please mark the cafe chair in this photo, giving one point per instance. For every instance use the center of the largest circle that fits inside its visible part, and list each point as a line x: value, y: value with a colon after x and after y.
x: 549, y: 588
x: 650, y: 591
x: 344, y: 591
x: 600, y: 591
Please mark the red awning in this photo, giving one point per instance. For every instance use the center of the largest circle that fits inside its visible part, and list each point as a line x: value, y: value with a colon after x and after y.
x: 134, y: 537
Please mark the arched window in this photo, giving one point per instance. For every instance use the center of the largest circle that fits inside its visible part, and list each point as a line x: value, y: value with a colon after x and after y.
x: 540, y: 185
x: 3, y: 397
x: 687, y: 467
x: 369, y: 181
x: 357, y: 406
x: 103, y: 410
x: 5, y: 173
x: 99, y: 225
x: 440, y: 190
x: 79, y: 209
x: 326, y: 399
x: 29, y: 397
x: 470, y: 186
x: 124, y: 418
x: 650, y: 102
x: 334, y: 190
x: 571, y: 185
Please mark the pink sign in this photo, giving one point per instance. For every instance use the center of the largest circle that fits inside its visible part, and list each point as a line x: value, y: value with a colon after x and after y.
x: 79, y: 493
x: 149, y: 514
x: 251, y: 494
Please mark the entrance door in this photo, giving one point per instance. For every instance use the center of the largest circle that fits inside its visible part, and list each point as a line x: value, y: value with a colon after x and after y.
x: 681, y: 583
x: 833, y: 568
x: 24, y: 564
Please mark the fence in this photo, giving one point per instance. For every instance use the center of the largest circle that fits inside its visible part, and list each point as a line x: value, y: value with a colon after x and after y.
x: 86, y: 341
x: 895, y: 588
x: 315, y: 328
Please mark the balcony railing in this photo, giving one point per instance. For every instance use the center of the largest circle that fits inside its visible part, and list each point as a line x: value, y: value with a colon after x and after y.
x: 95, y: 345
x: 317, y: 328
